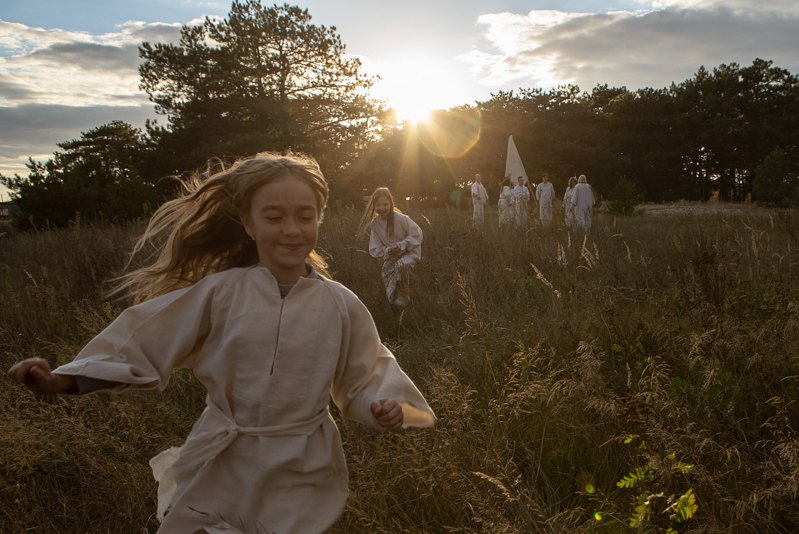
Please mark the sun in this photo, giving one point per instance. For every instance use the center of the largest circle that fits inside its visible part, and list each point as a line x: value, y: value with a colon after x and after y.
x: 412, y: 111
x: 414, y: 87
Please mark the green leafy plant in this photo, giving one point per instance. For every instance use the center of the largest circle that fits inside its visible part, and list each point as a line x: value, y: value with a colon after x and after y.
x: 650, y: 481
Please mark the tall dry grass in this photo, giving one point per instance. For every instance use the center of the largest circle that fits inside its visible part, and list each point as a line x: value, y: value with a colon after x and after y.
x: 557, y: 365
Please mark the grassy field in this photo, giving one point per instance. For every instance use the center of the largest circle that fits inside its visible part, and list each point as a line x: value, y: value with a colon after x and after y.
x: 643, y: 379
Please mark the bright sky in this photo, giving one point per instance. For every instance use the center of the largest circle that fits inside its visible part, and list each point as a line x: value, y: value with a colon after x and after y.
x: 67, y: 66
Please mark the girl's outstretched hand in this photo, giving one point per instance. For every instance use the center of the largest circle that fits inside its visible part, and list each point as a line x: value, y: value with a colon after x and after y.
x: 35, y: 374
x: 388, y: 414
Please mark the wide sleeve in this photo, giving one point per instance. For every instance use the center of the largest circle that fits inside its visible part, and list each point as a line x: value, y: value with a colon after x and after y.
x: 413, y: 237
x: 367, y: 371
x: 141, y: 346
x: 376, y: 247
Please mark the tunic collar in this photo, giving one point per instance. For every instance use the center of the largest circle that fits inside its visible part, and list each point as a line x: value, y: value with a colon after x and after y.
x: 286, y: 288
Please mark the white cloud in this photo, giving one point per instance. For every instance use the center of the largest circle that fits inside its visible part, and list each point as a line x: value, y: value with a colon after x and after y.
x: 55, y: 84
x: 18, y: 39
x: 137, y: 31
x: 634, y: 49
x: 74, y: 68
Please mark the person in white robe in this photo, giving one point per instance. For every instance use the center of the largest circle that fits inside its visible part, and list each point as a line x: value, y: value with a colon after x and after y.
x: 545, y: 195
x: 505, y: 203
x: 568, y: 207
x: 521, y: 199
x: 479, y: 199
x: 583, y: 202
x: 397, y: 240
x: 272, y: 340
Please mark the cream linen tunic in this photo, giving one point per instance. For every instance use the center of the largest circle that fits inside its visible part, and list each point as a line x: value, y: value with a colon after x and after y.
x: 408, y: 236
x: 479, y: 199
x: 521, y: 196
x: 505, y: 205
x: 265, y: 455
x: 406, y: 233
x: 568, y: 208
x: 583, y: 201
x: 545, y: 194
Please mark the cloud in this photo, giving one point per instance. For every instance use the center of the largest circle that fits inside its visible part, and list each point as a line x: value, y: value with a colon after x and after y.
x: 13, y: 91
x: 55, y: 84
x: 18, y: 38
x: 137, y: 31
x: 633, y: 49
x: 33, y: 130
x: 74, y: 68
x: 88, y: 56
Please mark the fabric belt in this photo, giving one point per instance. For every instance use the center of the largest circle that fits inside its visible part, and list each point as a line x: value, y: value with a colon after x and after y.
x: 180, y: 464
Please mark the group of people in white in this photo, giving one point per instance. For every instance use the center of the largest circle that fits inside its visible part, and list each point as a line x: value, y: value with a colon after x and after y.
x: 396, y: 239
x: 513, y: 202
x: 514, y: 199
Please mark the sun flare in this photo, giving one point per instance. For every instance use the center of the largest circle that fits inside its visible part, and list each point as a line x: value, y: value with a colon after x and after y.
x: 413, y: 112
x: 415, y: 87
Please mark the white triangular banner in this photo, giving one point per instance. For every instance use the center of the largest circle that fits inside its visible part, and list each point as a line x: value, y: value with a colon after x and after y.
x: 513, y: 164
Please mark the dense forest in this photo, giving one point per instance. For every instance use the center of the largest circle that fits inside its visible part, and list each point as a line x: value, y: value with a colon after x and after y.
x: 268, y: 79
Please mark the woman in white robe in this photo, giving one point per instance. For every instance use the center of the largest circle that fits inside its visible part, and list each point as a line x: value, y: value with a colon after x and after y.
x: 397, y: 240
x: 568, y: 208
x: 271, y: 340
x: 583, y: 203
x: 521, y: 198
x: 545, y: 195
x: 479, y: 199
x: 505, y: 204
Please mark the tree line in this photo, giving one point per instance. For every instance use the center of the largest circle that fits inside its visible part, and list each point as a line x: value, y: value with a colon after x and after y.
x: 265, y: 78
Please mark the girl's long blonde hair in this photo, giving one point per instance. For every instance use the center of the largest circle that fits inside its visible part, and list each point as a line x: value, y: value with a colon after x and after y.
x: 369, y: 213
x: 200, y: 232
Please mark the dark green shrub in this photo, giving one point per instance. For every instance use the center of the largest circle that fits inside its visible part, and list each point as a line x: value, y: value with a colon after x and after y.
x: 623, y: 197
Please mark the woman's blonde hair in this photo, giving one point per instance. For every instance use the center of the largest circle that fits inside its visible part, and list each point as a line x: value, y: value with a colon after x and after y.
x: 369, y: 213
x: 200, y: 232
